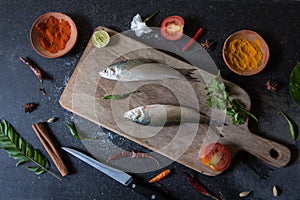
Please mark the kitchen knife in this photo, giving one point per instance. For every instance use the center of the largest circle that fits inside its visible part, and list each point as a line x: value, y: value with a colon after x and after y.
x: 146, y: 190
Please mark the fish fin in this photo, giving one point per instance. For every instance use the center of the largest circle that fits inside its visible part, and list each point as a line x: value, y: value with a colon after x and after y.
x: 187, y: 73
x: 147, y: 60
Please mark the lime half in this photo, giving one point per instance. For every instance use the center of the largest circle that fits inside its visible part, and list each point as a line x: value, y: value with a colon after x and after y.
x: 100, y: 38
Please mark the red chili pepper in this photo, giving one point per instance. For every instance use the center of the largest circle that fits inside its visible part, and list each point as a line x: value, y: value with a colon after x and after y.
x: 198, y: 186
x: 160, y: 176
x: 196, y: 36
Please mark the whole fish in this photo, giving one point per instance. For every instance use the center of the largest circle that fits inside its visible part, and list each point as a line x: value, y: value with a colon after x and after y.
x: 160, y: 115
x: 143, y: 70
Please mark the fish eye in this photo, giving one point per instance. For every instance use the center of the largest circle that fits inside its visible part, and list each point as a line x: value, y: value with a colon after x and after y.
x: 109, y: 71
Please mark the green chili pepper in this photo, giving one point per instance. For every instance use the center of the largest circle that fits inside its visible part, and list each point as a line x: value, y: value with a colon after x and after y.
x: 121, y: 96
x: 292, y: 128
x: 150, y: 16
x: 73, y: 130
x: 75, y: 133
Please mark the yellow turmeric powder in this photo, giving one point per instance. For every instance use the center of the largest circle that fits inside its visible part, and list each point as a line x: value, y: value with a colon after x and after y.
x: 242, y: 54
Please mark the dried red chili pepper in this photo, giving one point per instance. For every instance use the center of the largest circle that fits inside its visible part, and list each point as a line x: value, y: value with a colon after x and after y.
x: 198, y: 186
x: 36, y: 71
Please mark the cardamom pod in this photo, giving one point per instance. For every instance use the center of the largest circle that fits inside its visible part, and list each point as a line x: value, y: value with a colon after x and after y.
x: 52, y: 120
x: 244, y: 194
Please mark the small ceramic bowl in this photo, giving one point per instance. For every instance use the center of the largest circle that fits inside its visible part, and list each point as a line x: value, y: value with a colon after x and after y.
x: 253, y: 37
x: 34, y: 35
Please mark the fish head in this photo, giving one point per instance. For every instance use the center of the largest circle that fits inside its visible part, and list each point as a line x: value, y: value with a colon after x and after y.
x: 139, y: 115
x: 111, y: 72
x: 121, y: 70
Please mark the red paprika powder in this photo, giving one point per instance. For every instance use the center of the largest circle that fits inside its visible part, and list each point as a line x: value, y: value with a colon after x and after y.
x: 54, y: 34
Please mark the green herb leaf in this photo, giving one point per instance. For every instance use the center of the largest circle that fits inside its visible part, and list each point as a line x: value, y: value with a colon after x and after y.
x: 37, y: 170
x: 122, y: 96
x: 292, y: 128
x: 294, y: 83
x: 219, y: 98
x: 238, y: 112
x: 21, y: 161
x: 217, y: 94
x: 20, y: 150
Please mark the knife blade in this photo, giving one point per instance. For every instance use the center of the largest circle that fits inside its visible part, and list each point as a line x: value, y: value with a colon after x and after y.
x: 125, y: 179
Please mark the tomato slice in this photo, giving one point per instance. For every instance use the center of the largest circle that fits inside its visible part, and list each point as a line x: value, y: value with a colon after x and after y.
x: 216, y: 156
x: 172, y: 27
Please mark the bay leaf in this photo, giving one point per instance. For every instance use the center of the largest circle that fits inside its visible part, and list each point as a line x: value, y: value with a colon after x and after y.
x: 294, y: 83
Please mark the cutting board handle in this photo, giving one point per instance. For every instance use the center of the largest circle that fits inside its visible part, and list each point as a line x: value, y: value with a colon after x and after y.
x: 267, y: 150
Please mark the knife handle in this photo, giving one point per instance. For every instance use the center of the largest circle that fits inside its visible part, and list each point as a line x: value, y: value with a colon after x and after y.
x: 147, y: 191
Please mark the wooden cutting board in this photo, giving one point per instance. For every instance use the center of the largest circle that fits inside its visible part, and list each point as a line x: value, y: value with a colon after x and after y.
x: 84, y: 93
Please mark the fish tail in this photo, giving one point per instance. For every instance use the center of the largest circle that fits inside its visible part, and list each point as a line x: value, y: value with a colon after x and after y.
x: 187, y: 73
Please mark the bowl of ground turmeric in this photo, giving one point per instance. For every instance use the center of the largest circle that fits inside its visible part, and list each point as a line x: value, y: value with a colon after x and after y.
x: 245, y: 52
x: 53, y: 34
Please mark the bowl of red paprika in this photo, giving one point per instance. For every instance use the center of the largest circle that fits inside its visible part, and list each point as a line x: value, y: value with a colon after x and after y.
x: 53, y: 34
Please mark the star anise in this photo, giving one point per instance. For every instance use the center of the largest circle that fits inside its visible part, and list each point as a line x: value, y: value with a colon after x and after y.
x: 207, y: 44
x: 271, y: 85
x: 29, y: 107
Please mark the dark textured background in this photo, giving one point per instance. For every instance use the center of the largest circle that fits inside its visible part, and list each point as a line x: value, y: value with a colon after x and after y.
x: 278, y: 23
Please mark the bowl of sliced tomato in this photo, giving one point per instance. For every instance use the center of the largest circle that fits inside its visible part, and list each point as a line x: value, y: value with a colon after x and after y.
x: 172, y: 27
x: 216, y: 156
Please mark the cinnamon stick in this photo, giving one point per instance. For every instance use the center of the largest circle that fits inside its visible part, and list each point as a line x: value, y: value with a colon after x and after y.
x: 45, y: 139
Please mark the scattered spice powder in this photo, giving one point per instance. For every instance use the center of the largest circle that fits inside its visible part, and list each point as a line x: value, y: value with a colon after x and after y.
x: 54, y: 34
x: 243, y: 54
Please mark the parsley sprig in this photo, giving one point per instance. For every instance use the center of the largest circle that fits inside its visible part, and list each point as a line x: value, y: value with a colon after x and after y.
x: 219, y: 98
